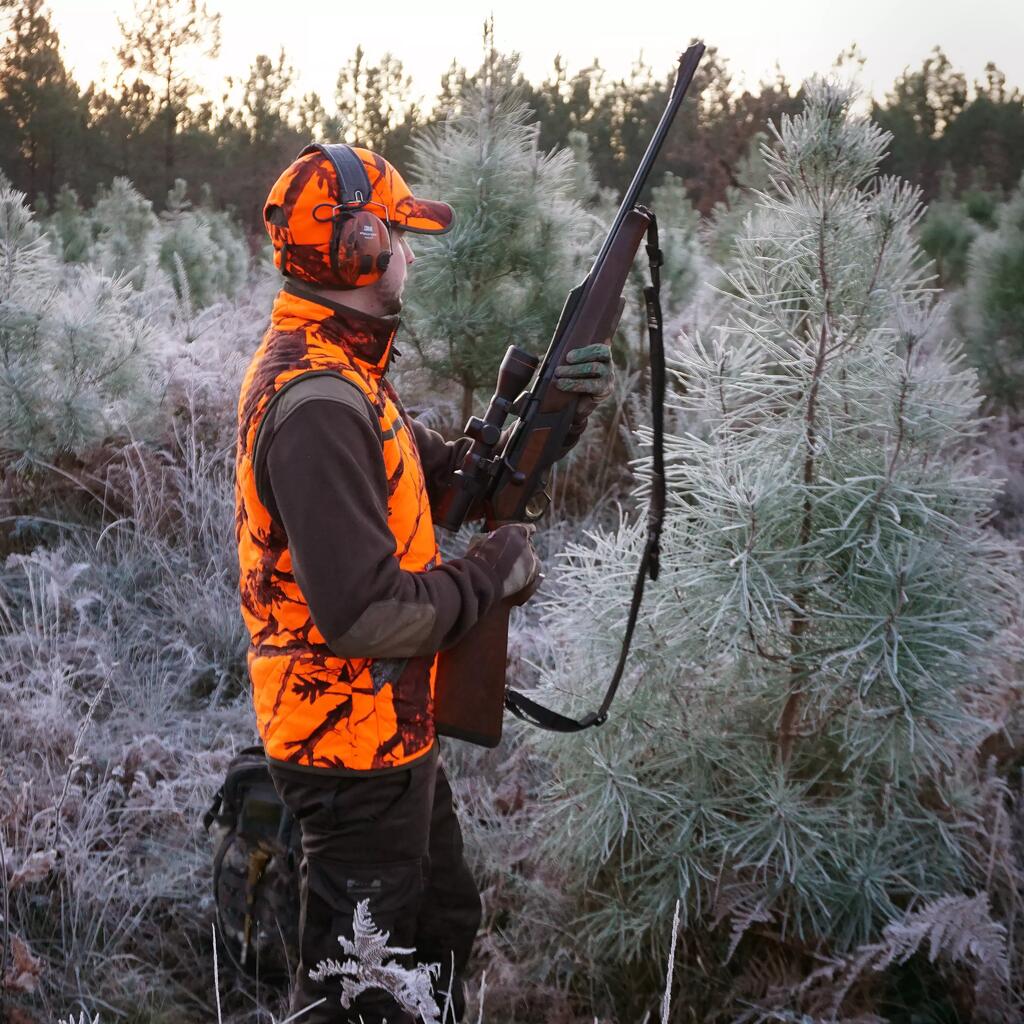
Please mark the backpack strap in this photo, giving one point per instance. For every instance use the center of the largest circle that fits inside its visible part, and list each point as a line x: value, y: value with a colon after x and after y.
x: 214, y: 808
x: 282, y: 403
x: 218, y: 798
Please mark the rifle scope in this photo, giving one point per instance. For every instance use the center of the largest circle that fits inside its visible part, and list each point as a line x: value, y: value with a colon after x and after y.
x: 514, y: 374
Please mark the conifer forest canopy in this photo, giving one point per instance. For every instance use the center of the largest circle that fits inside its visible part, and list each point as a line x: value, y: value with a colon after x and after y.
x: 156, y: 123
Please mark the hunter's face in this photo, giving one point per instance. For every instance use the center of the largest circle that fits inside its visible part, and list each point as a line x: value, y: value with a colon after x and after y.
x: 392, y: 283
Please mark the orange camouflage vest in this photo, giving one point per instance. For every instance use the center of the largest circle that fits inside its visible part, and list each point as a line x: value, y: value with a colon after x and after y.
x: 313, y: 707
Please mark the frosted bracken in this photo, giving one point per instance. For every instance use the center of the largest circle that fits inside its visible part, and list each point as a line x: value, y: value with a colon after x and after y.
x: 372, y: 965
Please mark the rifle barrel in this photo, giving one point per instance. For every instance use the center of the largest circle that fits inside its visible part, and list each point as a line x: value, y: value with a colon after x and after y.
x: 687, y: 66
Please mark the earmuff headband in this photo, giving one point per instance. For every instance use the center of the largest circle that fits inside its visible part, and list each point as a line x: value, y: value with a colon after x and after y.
x: 353, y: 181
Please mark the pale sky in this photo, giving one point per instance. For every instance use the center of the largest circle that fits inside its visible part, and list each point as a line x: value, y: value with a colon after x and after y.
x: 802, y: 35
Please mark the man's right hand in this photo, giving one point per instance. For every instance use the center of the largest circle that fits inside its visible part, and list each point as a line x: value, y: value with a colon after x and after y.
x: 508, y: 550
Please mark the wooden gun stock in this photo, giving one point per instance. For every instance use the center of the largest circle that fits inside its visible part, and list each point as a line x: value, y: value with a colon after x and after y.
x: 469, y: 694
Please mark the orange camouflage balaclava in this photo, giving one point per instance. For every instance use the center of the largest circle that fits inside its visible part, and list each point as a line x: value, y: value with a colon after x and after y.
x: 331, y: 233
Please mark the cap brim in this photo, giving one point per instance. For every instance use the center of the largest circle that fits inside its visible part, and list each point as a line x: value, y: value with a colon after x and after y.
x: 424, y: 216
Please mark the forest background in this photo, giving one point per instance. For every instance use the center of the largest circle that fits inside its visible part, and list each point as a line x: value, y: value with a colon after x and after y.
x: 156, y: 122
x: 841, y: 869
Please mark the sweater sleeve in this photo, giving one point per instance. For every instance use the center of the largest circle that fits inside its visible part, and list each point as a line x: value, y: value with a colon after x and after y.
x: 325, y: 471
x: 440, y: 458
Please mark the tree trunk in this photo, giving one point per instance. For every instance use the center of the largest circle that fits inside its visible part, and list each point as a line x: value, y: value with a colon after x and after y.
x: 32, y: 171
x: 172, y: 122
x: 800, y: 621
x: 467, y: 401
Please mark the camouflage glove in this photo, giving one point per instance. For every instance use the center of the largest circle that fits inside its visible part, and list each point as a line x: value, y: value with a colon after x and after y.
x: 587, y: 372
x: 509, y: 552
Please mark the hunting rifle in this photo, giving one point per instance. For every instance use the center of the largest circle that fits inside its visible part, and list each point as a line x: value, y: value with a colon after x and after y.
x: 504, y: 473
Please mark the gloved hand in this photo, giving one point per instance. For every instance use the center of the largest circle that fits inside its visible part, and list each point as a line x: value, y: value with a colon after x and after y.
x: 508, y: 550
x: 588, y: 372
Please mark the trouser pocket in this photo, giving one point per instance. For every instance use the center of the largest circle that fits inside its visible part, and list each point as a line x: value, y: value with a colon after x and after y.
x: 393, y: 891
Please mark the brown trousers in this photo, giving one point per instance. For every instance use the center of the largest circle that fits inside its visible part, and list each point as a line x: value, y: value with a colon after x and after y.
x: 392, y: 838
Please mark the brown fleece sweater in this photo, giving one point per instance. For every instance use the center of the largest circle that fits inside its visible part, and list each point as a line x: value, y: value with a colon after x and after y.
x: 323, y: 479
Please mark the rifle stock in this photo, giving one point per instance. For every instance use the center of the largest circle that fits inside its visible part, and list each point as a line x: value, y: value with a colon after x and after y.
x: 470, y: 688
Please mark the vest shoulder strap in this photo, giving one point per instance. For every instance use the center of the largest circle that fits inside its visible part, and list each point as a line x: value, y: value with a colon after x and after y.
x: 315, y: 385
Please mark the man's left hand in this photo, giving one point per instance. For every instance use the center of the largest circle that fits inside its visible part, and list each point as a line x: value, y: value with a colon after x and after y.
x: 587, y: 372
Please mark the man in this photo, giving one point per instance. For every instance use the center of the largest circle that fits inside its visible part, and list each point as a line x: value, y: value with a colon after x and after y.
x: 343, y: 589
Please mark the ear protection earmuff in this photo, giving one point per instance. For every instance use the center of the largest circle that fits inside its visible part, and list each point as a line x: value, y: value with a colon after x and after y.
x: 360, y: 246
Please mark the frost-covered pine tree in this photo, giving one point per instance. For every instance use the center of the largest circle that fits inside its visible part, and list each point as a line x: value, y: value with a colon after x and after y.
x: 76, y: 358
x: 947, y: 231
x: 201, y: 249
x: 500, y: 276
x: 679, y: 238
x: 793, y: 752
x: 993, y: 307
x: 126, y: 232
x: 71, y: 228
x: 198, y: 251
x: 727, y: 217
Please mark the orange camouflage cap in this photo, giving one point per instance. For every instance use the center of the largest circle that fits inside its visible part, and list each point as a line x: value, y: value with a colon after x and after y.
x: 297, y: 213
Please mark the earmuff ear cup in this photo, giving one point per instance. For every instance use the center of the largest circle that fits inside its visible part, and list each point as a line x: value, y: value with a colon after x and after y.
x: 361, y: 248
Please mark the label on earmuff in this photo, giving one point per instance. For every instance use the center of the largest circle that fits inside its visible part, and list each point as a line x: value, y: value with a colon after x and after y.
x: 367, y: 231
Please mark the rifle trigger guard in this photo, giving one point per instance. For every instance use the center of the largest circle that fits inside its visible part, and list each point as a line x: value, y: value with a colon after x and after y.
x: 537, y: 506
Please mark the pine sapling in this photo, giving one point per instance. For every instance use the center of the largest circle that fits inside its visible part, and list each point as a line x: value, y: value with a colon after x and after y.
x: 993, y: 305
x: 500, y: 275
x: 807, y: 672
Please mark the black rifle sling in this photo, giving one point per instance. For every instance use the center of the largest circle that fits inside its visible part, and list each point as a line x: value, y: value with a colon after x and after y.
x: 529, y: 710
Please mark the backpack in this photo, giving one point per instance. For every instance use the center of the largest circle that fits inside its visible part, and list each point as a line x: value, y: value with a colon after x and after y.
x: 257, y: 850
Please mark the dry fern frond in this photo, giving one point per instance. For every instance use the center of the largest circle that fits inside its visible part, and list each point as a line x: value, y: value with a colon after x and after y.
x: 957, y: 929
